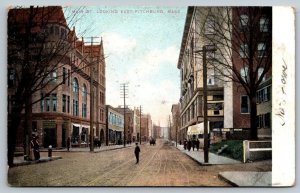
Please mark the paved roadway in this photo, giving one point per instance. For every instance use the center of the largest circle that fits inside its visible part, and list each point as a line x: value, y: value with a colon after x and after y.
x: 160, y: 165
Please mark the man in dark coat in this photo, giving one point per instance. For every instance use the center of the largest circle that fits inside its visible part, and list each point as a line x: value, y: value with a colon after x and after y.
x: 68, y: 143
x: 36, y: 148
x: 137, y: 152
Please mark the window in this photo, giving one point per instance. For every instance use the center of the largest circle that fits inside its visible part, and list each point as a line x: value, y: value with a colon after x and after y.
x: 210, y: 76
x: 245, y: 74
x: 64, y: 103
x: 244, y: 104
x: 75, y: 86
x: 264, y: 120
x: 68, y: 104
x: 264, y: 24
x: 259, y: 73
x: 54, y: 76
x: 244, y: 19
x: 244, y: 51
x: 69, y: 77
x: 101, y: 115
x: 84, y: 101
x: 47, y: 99
x: 54, y: 102
x: 263, y: 95
x: 76, y: 96
x: 261, y: 50
x: 64, y: 75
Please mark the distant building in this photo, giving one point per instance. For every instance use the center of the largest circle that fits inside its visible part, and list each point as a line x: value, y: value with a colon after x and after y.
x: 175, y: 122
x: 114, y: 126
x: 129, y: 122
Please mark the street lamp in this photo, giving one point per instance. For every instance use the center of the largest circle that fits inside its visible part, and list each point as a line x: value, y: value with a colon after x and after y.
x: 205, y: 49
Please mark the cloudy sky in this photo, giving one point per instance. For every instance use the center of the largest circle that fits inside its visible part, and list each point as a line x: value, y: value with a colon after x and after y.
x: 142, y: 48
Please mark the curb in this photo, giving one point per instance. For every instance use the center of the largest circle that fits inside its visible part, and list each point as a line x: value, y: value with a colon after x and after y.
x: 200, y: 163
x: 37, y: 161
x: 227, y: 180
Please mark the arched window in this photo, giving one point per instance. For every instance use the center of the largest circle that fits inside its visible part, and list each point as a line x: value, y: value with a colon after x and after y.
x: 84, y: 101
x: 75, y: 97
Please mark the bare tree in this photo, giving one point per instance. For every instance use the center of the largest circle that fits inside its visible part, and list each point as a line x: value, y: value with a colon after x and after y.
x: 242, y: 37
x: 37, y: 49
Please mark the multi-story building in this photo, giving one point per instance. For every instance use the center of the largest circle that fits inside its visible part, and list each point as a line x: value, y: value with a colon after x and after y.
x: 137, y: 125
x: 239, y: 62
x: 146, y: 124
x: 252, y: 41
x: 114, y: 126
x: 175, y: 122
x: 190, y: 65
x: 64, y: 106
x: 129, y: 122
x: 156, y: 131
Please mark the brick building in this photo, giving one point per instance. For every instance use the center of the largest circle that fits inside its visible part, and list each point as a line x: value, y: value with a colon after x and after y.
x: 63, y: 109
x: 175, y: 122
x: 129, y: 122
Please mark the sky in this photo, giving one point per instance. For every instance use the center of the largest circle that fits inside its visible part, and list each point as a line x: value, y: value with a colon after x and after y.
x: 141, y: 46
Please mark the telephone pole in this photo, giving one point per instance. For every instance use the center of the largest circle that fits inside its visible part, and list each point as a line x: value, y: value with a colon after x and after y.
x: 140, y: 124
x: 205, y: 49
x: 92, y: 71
x: 124, y: 94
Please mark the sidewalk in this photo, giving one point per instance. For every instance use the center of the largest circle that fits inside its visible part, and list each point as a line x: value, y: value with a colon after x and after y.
x: 213, y: 158
x: 247, y: 179
x: 19, y: 160
x: 87, y: 149
x: 235, y: 178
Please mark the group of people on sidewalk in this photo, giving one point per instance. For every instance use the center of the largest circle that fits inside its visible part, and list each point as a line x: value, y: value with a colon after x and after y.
x: 189, y: 144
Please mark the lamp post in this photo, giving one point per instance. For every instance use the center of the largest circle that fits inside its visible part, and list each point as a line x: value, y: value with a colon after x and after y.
x: 205, y: 49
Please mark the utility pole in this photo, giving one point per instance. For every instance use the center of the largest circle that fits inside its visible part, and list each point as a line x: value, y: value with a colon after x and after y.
x: 140, y: 124
x: 205, y: 49
x: 205, y: 106
x: 92, y: 93
x: 176, y: 125
x: 124, y: 92
x: 169, y: 133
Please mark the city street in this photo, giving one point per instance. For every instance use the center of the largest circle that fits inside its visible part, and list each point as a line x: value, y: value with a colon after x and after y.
x: 160, y: 165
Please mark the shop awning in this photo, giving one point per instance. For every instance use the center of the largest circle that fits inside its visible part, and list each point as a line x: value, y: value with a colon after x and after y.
x: 197, y: 129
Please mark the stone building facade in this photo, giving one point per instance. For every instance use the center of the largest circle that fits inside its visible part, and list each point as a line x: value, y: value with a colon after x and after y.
x: 227, y: 99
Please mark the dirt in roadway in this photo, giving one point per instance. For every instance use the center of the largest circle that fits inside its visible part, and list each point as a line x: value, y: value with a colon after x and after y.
x: 160, y: 165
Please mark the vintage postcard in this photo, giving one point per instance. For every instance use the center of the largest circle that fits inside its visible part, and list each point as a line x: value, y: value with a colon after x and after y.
x: 150, y: 96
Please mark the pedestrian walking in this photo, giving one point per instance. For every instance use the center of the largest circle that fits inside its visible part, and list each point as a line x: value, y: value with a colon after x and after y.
x: 189, y: 145
x: 137, y: 151
x: 36, y: 148
x: 68, y: 143
x: 197, y: 144
x: 193, y: 144
x: 184, y: 144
